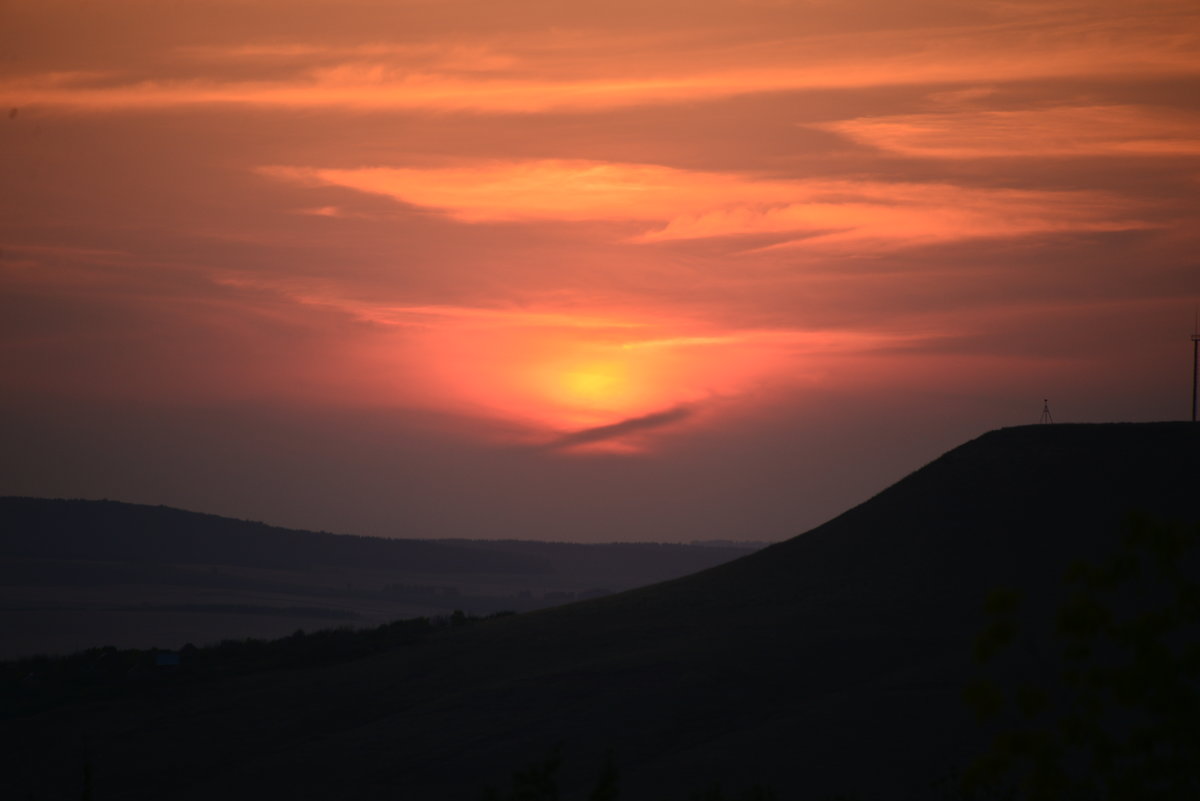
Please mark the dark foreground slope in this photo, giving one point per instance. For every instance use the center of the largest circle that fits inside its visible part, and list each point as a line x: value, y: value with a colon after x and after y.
x: 831, y: 663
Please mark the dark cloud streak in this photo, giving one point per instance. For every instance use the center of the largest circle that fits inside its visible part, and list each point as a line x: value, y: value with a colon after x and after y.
x: 633, y: 425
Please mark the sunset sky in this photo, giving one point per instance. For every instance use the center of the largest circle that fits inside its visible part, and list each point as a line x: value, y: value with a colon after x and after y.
x: 585, y: 270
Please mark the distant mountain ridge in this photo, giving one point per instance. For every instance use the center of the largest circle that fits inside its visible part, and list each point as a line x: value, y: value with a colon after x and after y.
x: 116, y: 531
x: 832, y: 663
x: 112, y: 530
x: 77, y: 574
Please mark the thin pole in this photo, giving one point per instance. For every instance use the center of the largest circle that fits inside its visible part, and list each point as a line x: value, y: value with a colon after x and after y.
x: 1195, y: 363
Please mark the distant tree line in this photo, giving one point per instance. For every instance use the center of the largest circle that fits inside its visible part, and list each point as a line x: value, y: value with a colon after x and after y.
x: 42, y: 681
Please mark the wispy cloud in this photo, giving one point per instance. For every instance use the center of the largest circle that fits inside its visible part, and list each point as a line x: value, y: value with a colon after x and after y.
x: 65, y: 251
x: 595, y: 70
x: 327, y: 294
x: 444, y: 56
x: 687, y: 204
x: 1067, y: 131
x: 545, y: 189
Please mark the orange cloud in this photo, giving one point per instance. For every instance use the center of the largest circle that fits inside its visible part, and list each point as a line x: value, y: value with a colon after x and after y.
x: 1055, y: 132
x: 889, y: 216
x: 449, y: 56
x: 546, y: 190
x: 588, y: 69
x: 687, y: 204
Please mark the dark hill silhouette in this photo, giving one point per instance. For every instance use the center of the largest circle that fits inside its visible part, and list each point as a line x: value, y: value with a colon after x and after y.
x: 833, y: 662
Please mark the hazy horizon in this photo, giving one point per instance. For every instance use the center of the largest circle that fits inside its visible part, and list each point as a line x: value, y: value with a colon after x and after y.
x: 589, y: 272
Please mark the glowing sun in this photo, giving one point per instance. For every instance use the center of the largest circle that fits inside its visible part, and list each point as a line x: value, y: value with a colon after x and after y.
x: 602, y: 385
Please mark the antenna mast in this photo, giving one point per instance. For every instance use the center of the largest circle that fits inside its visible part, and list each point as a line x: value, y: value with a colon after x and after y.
x: 1046, y: 416
x: 1195, y: 360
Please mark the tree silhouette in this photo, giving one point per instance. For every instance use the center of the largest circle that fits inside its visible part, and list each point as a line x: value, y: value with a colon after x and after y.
x: 1115, y: 716
x: 606, y: 784
x: 538, y: 782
